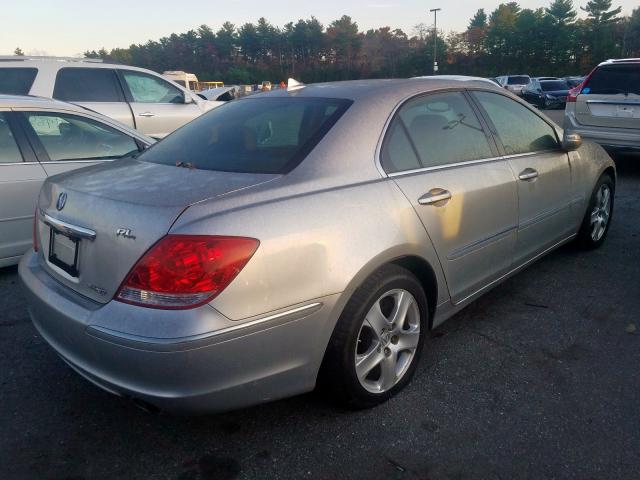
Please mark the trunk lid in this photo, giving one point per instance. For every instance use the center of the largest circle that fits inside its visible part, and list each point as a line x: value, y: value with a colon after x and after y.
x: 129, y: 205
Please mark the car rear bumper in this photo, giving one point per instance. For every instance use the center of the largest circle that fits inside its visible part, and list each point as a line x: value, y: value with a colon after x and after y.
x: 613, y: 138
x: 242, y: 364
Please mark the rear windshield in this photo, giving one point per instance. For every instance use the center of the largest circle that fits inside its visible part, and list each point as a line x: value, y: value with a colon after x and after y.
x: 17, y: 81
x: 549, y: 86
x: 612, y: 79
x: 521, y: 80
x: 259, y: 135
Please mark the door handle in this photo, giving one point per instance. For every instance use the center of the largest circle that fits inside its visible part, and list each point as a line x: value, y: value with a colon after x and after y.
x: 528, y: 174
x: 146, y: 114
x: 435, y: 196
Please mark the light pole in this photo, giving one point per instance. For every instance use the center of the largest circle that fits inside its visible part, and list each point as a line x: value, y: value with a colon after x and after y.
x: 435, y: 39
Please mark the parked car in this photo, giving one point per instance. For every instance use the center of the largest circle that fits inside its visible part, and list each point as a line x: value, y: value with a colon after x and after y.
x: 546, y: 93
x: 606, y: 106
x: 574, y: 81
x: 139, y: 98
x: 514, y: 83
x: 302, y: 236
x: 220, y: 94
x: 42, y: 137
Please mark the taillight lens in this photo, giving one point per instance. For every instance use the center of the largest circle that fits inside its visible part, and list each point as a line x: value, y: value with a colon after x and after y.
x: 35, y: 230
x: 572, y: 96
x: 186, y: 271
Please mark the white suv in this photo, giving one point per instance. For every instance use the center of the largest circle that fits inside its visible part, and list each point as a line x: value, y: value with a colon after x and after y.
x: 139, y: 98
x: 605, y: 107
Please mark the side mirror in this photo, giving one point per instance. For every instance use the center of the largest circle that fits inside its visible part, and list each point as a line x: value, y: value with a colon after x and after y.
x: 571, y: 142
x: 188, y: 98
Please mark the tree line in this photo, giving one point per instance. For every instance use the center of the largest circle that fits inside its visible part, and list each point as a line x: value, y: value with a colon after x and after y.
x: 550, y: 40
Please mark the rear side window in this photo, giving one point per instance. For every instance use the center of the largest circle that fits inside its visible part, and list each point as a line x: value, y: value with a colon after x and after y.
x: 17, y: 81
x: 70, y: 137
x: 149, y: 89
x: 9, y: 151
x: 256, y: 135
x: 87, y: 85
x: 518, y: 80
x: 519, y: 129
x: 441, y: 129
x: 613, y: 79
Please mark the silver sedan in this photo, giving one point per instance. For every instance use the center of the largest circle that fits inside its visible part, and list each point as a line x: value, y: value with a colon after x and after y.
x: 308, y: 236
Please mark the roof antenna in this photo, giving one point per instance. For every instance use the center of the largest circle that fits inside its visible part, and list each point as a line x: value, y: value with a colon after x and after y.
x: 293, y: 84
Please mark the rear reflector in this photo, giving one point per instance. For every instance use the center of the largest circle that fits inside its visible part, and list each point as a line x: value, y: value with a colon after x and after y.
x: 186, y: 271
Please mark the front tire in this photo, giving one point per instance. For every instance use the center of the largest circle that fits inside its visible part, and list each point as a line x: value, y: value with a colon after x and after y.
x: 597, y: 219
x: 374, y: 350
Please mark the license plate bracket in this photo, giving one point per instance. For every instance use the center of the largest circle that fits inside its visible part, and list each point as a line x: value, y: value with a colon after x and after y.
x: 63, y: 252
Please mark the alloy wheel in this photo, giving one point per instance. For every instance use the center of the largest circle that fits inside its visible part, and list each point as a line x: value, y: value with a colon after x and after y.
x: 387, y: 341
x: 601, y: 213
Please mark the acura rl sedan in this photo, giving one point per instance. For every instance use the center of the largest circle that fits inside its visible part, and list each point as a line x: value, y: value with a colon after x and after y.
x: 308, y: 236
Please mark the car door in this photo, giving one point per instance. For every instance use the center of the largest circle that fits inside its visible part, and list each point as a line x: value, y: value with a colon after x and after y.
x: 158, y: 106
x: 97, y: 89
x: 541, y: 167
x: 446, y: 163
x: 21, y: 177
x: 65, y: 141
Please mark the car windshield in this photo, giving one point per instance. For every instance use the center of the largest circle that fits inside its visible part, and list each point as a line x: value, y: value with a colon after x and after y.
x: 259, y: 135
x: 613, y: 79
x: 519, y: 80
x: 551, y: 85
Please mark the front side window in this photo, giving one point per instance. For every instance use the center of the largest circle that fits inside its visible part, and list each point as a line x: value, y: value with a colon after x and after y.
x: 441, y: 129
x: 9, y: 151
x: 75, y: 84
x: 149, y: 89
x: 70, y: 137
x: 17, y: 81
x: 255, y: 135
x: 519, y: 129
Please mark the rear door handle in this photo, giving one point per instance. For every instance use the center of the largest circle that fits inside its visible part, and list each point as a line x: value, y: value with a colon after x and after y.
x: 435, y: 196
x: 146, y: 114
x: 528, y: 174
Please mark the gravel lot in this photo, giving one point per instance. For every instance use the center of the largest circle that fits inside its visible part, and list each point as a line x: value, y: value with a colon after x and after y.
x: 538, y: 379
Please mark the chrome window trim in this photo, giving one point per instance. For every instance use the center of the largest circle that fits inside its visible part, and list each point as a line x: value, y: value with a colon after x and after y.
x: 20, y: 163
x: 470, y: 162
x: 58, y: 162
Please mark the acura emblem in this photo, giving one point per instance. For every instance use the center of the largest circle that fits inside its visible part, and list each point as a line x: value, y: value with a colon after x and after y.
x: 62, y: 200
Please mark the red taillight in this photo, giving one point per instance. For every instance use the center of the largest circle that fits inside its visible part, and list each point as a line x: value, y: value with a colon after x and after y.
x: 572, y: 96
x: 35, y: 230
x: 185, y: 271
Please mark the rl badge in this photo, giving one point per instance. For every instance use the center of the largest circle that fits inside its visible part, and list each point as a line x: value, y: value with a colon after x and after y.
x: 125, y: 233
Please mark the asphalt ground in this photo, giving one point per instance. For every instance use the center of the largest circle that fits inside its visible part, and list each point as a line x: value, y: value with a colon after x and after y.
x: 538, y: 379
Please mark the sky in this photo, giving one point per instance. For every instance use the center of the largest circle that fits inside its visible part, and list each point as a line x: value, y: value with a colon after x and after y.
x: 70, y: 27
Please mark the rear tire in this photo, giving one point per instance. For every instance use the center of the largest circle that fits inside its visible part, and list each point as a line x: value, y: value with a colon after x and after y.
x: 375, y: 346
x: 597, y: 219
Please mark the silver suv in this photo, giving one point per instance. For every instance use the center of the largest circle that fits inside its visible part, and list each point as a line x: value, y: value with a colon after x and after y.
x: 514, y: 83
x: 139, y: 98
x: 606, y: 106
